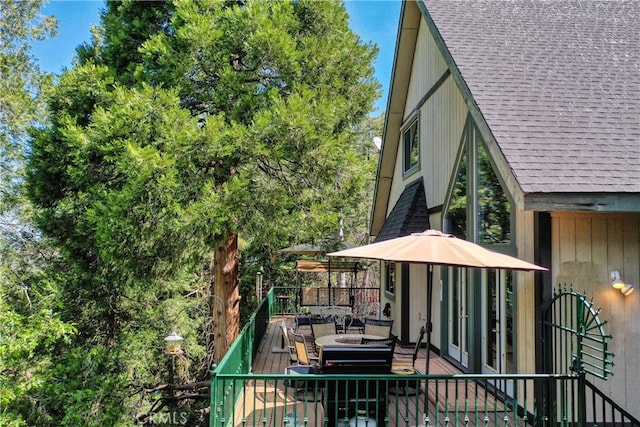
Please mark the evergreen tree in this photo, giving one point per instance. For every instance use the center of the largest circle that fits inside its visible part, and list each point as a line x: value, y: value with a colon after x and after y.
x: 230, y: 119
x: 30, y: 328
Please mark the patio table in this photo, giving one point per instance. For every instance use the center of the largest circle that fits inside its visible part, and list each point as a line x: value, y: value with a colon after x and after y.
x: 344, y: 339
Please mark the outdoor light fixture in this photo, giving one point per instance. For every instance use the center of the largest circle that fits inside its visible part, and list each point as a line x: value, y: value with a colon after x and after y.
x: 627, y: 289
x: 174, y: 343
x: 617, y: 283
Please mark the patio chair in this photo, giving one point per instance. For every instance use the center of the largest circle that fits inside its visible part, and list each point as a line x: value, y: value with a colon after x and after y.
x: 357, y: 324
x: 340, y: 316
x: 322, y: 326
x: 307, y: 364
x: 287, y: 342
x: 301, y: 319
x: 302, y: 352
x: 379, y: 327
x: 360, y: 312
x: 404, y: 364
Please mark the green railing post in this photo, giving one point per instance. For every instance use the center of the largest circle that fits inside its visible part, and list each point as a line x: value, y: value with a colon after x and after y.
x: 582, y: 399
x: 213, y: 397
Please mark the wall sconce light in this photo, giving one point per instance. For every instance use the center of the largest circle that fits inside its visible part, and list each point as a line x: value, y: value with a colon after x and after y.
x: 617, y: 283
x: 627, y: 289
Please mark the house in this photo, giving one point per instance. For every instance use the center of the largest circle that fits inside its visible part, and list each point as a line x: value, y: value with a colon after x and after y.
x: 516, y: 125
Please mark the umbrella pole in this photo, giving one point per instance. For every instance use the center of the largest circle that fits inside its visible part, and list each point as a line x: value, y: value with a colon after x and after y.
x: 329, y: 290
x: 429, y: 326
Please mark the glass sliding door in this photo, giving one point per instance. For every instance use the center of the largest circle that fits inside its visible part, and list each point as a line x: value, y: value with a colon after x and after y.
x: 497, y: 324
x: 458, y: 315
x: 478, y: 209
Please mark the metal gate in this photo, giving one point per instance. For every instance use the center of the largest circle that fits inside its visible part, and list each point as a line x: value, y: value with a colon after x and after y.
x: 575, y: 340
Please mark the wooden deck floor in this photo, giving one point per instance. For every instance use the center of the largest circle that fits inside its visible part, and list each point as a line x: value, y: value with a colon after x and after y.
x: 269, y: 361
x: 448, y: 403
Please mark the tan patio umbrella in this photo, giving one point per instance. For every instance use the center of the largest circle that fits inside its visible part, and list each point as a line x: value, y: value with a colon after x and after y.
x: 433, y: 247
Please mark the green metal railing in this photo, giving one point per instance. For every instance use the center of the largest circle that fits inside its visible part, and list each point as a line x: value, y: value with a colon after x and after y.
x: 240, y: 398
x: 238, y: 361
x: 275, y: 400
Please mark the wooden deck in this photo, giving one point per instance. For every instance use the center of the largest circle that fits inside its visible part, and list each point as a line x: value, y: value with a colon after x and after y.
x: 448, y: 402
x: 269, y: 361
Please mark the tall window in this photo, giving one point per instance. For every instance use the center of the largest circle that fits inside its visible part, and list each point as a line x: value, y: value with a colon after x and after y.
x: 390, y: 282
x: 479, y: 210
x: 477, y: 193
x: 411, y: 148
x: 457, y: 213
x: 494, y: 209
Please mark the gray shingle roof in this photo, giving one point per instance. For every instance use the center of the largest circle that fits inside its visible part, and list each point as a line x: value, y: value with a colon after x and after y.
x: 409, y: 215
x: 558, y: 83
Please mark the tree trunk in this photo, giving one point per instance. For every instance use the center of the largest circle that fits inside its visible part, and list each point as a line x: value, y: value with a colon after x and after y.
x: 225, y: 286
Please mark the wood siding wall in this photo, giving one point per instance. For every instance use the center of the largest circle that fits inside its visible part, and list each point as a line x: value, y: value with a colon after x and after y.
x: 586, y: 248
x: 442, y: 119
x: 428, y: 66
x: 524, y: 294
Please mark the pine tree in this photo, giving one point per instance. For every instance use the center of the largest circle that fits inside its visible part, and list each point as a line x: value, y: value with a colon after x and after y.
x: 229, y: 119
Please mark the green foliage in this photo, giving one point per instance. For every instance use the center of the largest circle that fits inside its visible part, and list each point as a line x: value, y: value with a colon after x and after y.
x: 30, y: 326
x: 30, y: 332
x: 493, y: 207
x: 23, y: 88
x: 217, y: 118
x: 86, y: 388
x: 131, y: 209
x: 457, y: 211
x: 133, y: 213
x: 292, y: 80
x: 127, y: 24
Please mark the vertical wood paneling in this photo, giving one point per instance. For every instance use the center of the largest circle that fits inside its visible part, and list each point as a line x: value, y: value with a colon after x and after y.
x: 614, y: 261
x: 442, y: 119
x: 397, y: 184
x: 428, y: 66
x: 586, y: 248
x: 555, y: 250
x: 614, y: 247
x: 418, y: 301
x: 583, y: 252
x: 525, y: 295
x: 598, y: 286
x: 525, y: 299
x: 630, y: 308
x: 566, y: 274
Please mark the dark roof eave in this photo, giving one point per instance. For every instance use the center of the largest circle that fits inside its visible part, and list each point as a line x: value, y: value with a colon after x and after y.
x: 586, y: 202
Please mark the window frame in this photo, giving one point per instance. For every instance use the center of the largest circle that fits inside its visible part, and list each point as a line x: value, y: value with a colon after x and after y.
x: 390, y: 277
x: 413, y: 131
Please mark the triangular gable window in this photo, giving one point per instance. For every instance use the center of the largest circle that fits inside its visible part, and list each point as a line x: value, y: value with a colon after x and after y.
x: 457, y: 212
x: 478, y: 204
x: 494, y: 208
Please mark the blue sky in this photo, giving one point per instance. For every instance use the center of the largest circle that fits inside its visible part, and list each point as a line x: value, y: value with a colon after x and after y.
x: 374, y: 20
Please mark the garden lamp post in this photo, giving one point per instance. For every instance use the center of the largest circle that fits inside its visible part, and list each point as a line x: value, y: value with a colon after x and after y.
x: 174, y: 348
x: 174, y: 343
